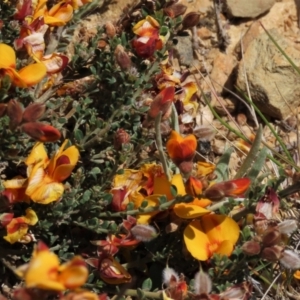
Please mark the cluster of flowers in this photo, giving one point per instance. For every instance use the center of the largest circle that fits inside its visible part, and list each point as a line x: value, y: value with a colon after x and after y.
x: 207, y: 233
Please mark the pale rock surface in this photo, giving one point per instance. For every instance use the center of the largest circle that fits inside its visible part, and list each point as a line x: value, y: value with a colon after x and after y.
x: 221, y: 74
x: 271, y: 78
x: 248, y: 9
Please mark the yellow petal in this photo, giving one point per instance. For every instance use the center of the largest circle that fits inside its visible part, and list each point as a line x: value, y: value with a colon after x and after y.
x: 225, y: 248
x: 189, y: 211
x: 37, y: 154
x: 64, y: 170
x: 16, y: 183
x: 163, y: 186
x: 30, y: 75
x: 8, y: 57
x: 52, y: 162
x: 31, y: 217
x: 74, y: 273
x: 62, y: 12
x: 48, y: 193
x: 204, y: 168
x: 220, y: 228
x: 196, y: 241
x: 152, y: 201
x: 189, y: 90
x: 36, y: 178
x: 42, y: 272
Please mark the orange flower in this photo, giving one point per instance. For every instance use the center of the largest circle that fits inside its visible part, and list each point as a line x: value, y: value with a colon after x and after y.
x: 17, y: 228
x: 44, y: 271
x: 27, y: 76
x: 182, y: 150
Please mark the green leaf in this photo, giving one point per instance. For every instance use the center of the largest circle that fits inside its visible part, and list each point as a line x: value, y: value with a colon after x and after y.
x: 222, y: 165
x: 147, y: 284
x: 252, y: 155
x: 95, y: 171
x: 258, y: 164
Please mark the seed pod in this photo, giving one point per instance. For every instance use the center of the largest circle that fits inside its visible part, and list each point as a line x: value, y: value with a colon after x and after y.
x: 14, y: 112
x: 251, y: 248
x: 190, y: 20
x: 175, y: 10
x: 110, y: 29
x: 33, y: 112
x: 122, y: 58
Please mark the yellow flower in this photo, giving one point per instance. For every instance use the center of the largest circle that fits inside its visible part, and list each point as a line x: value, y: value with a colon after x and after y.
x: 44, y: 180
x: 45, y: 272
x: 17, y: 228
x: 45, y: 176
x: 27, y: 76
x: 211, y: 234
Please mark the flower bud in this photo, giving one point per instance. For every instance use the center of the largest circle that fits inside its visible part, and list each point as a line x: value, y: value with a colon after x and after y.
x: 203, y: 283
x: 251, y: 248
x: 290, y: 259
x: 3, y: 108
x: 190, y: 20
x: 33, y: 112
x: 162, y: 102
x: 110, y: 29
x: 273, y: 253
x: 271, y: 238
x: 186, y: 167
x: 193, y: 186
x: 287, y: 226
x: 14, y: 112
x: 144, y: 233
x: 122, y: 58
x: 41, y: 132
x: 175, y: 10
x: 121, y: 138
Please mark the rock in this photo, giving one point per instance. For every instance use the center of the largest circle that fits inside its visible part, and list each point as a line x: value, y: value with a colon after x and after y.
x: 248, y: 9
x: 274, y: 84
x: 222, y: 71
x: 184, y: 50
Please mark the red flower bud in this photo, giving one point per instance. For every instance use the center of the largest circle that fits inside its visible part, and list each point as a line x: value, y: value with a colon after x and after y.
x: 121, y: 138
x: 41, y: 132
x: 33, y: 112
x: 14, y: 112
x: 193, y: 186
x: 251, y: 248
